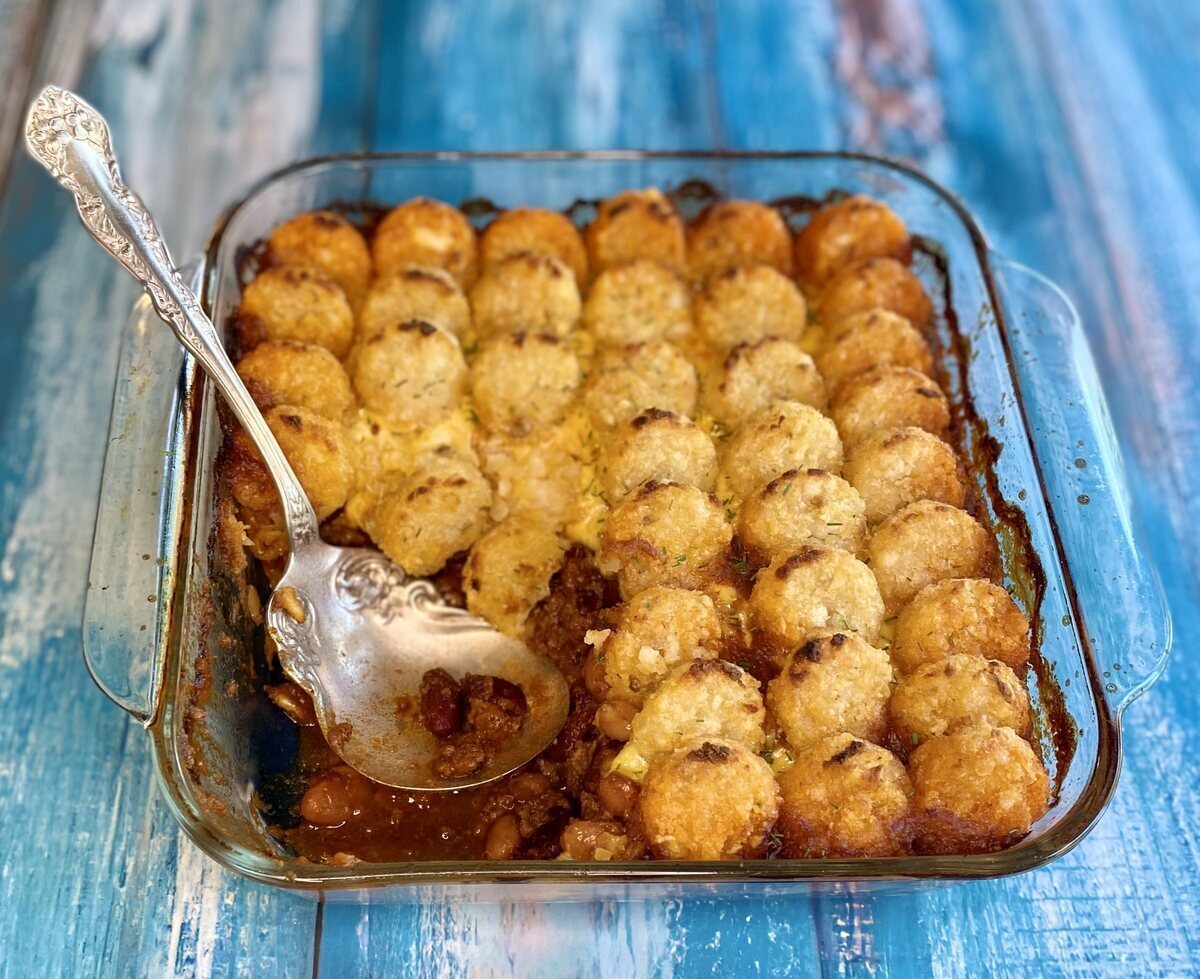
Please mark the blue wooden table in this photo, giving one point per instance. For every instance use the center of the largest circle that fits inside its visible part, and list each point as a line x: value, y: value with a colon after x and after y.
x: 1073, y: 130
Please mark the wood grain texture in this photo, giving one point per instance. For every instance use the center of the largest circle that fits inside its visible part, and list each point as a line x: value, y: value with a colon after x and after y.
x: 1071, y: 129
x: 21, y: 25
x: 95, y: 874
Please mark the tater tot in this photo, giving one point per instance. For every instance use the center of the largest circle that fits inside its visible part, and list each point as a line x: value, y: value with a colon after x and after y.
x: 426, y: 232
x: 521, y: 381
x: 802, y: 506
x: 706, y: 698
x: 961, y: 689
x: 509, y: 570
x: 315, y: 448
x: 875, y: 283
x: 814, y: 589
x: 636, y: 303
x: 527, y: 292
x: 782, y: 436
x: 976, y: 790
x: 636, y: 224
x: 296, y: 304
x: 893, y: 470
x: 658, y: 445
x: 415, y: 293
x: 412, y: 372
x: 327, y: 242
x: 708, y: 800
x: 665, y: 534
x: 732, y: 233
x: 835, y: 682
x: 924, y: 543
x: 871, y: 339
x: 853, y: 228
x: 884, y: 399
x: 537, y: 230
x: 285, y: 372
x: 317, y: 451
x: 756, y: 374
x: 627, y: 380
x: 422, y: 519
x: 748, y: 304
x: 961, y: 615
x: 845, y: 797
x: 657, y: 630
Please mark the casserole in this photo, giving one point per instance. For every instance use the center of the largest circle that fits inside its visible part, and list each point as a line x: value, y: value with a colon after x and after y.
x: 168, y: 629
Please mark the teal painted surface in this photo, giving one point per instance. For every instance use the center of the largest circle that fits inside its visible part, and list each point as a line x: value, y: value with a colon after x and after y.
x: 1072, y: 129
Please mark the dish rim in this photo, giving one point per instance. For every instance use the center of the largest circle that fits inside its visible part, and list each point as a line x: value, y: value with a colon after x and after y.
x: 1057, y: 840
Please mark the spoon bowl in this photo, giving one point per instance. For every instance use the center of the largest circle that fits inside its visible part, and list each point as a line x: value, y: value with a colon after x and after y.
x: 358, y: 636
x: 352, y: 628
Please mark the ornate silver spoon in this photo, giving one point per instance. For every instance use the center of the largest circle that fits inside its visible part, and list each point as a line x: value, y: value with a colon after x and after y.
x: 352, y: 628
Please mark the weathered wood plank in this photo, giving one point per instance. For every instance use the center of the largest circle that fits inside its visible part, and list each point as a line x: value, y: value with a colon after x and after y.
x: 967, y: 92
x: 1029, y: 96
x: 658, y: 938
x: 509, y: 75
x: 203, y: 99
x: 617, y: 74
x: 775, y: 77
x: 21, y: 25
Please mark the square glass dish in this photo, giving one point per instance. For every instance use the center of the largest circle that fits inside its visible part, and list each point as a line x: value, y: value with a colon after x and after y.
x: 165, y: 619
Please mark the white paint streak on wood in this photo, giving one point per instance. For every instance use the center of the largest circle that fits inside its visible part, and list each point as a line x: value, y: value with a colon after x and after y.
x: 598, y: 74
x: 231, y: 93
x: 1146, y: 258
x: 51, y: 537
x: 199, y: 892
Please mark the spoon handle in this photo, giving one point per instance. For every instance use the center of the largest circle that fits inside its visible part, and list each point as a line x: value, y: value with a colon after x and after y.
x: 71, y: 140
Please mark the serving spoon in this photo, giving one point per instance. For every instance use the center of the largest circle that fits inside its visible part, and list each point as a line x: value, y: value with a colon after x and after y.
x: 352, y: 628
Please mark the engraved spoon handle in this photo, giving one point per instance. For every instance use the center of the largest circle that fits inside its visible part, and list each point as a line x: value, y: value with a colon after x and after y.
x: 71, y: 140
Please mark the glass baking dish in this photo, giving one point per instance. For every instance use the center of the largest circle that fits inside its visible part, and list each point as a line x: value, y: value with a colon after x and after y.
x: 164, y: 614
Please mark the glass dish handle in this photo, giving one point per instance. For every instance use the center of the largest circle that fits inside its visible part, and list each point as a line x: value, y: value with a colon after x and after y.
x: 1123, y: 607
x: 127, y: 615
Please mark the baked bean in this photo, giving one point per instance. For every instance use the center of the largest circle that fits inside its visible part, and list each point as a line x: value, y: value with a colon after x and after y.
x: 333, y: 798
x: 503, y: 838
x: 614, y: 719
x: 580, y: 838
x: 529, y: 785
x: 441, y: 703
x: 292, y: 699
x: 618, y: 794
